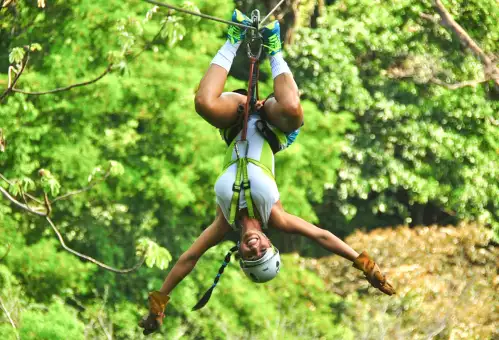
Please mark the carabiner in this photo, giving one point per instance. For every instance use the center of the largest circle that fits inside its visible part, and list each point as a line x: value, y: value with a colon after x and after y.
x: 255, y: 37
x: 236, y: 148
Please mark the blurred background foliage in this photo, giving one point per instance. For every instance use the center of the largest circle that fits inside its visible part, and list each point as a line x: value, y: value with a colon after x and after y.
x: 385, y: 143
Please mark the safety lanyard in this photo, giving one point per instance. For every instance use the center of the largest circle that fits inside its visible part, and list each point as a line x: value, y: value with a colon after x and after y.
x: 255, y: 41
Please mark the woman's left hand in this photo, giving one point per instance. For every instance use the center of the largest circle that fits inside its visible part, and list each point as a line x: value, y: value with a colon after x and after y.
x: 157, y: 305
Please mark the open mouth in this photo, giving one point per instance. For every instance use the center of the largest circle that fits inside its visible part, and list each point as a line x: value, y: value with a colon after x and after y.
x: 253, y: 240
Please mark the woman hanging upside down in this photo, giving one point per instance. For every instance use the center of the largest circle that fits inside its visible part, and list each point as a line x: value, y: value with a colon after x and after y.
x: 246, y: 192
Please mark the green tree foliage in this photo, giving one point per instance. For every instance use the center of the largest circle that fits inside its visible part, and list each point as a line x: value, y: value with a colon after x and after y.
x: 422, y: 152
x: 61, y: 318
x: 381, y: 144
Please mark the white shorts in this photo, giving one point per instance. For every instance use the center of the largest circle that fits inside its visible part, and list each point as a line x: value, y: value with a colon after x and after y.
x: 263, y: 191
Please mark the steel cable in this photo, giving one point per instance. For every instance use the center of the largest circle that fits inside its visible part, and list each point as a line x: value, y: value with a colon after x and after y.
x: 262, y: 23
x: 205, y: 16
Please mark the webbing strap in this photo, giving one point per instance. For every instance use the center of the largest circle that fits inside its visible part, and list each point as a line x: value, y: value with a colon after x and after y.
x: 262, y: 166
x: 247, y: 189
x: 251, y: 160
x: 236, y: 189
x: 241, y: 176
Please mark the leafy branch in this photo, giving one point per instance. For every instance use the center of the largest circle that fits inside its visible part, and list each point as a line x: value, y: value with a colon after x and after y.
x: 69, y: 87
x: 92, y: 184
x: 51, y: 184
x: 455, y: 86
x: 11, y: 84
x: 148, y: 250
x: 128, y: 40
x: 91, y: 259
x: 446, y: 20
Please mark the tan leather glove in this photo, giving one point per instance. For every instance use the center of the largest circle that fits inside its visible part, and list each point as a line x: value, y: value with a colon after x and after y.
x: 157, y: 305
x: 373, y: 274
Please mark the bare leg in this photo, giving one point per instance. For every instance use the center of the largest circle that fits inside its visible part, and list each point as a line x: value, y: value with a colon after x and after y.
x: 281, y: 220
x: 284, y: 110
x: 217, y: 108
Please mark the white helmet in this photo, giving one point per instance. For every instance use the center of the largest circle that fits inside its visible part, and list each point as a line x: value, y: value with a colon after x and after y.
x: 265, y: 268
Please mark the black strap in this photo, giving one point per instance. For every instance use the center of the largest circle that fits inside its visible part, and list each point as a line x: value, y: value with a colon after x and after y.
x: 206, y: 296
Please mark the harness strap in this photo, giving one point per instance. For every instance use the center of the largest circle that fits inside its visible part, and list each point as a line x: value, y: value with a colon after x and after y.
x: 242, y: 161
x: 241, y: 177
x: 247, y: 189
x: 255, y: 162
x: 236, y: 189
x: 242, y: 182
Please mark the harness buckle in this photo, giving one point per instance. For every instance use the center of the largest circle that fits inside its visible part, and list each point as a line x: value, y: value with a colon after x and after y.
x: 236, y: 187
x: 246, y: 184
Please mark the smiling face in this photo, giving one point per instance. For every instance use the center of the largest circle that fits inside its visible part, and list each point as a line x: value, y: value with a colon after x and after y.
x: 253, y: 244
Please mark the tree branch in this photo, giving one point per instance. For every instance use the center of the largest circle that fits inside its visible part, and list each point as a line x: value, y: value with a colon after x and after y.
x: 59, y: 236
x: 449, y: 22
x: 10, y: 87
x: 109, y: 336
x: 66, y: 88
x: 20, y: 205
x: 90, y: 186
x: 10, y: 318
x: 490, y: 69
x: 149, y: 44
x: 26, y: 194
x: 69, y: 87
x: 413, y: 72
x: 90, y: 259
x: 5, y: 3
x: 454, y: 86
x: 6, y: 253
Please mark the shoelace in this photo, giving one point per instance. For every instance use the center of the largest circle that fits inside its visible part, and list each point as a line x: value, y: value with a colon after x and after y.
x: 274, y: 43
x: 234, y: 31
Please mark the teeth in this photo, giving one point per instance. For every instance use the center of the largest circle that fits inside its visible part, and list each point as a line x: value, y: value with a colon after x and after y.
x: 252, y: 241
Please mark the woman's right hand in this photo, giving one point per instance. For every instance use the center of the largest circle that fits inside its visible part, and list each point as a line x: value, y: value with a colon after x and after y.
x: 157, y: 304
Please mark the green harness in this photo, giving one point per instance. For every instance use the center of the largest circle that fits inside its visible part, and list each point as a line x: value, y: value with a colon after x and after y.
x: 242, y: 181
x: 275, y: 140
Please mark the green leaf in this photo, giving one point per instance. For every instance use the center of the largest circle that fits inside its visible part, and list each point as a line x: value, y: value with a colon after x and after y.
x: 35, y: 47
x: 27, y: 184
x: 155, y: 255
x: 95, y: 171
x: 50, y: 184
x: 16, y: 55
x: 116, y: 168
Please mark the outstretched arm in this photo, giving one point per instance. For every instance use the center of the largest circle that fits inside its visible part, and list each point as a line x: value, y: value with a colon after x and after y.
x: 281, y: 220
x: 210, y: 237
x: 159, y: 299
x: 289, y: 223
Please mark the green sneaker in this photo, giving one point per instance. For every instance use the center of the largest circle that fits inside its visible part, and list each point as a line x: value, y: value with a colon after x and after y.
x: 272, y: 38
x: 236, y: 33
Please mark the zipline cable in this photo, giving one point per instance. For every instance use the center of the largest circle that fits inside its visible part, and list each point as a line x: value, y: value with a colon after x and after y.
x: 262, y: 23
x: 205, y: 16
